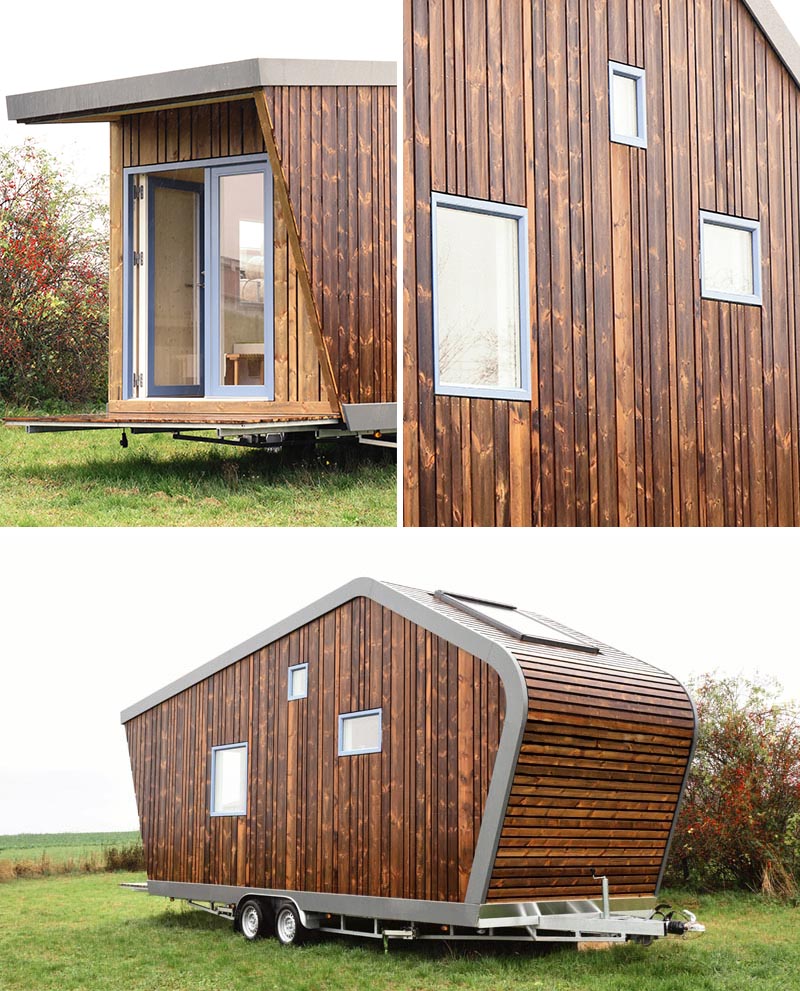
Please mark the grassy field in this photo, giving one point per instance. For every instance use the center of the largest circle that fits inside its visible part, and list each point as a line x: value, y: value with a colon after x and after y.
x: 59, y: 847
x: 86, y: 932
x: 87, y: 479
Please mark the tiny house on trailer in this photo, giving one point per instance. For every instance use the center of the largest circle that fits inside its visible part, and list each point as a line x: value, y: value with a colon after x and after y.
x: 391, y: 762
x: 253, y: 236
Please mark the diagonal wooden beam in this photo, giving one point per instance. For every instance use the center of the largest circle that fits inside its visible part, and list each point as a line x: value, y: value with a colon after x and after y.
x: 304, y: 279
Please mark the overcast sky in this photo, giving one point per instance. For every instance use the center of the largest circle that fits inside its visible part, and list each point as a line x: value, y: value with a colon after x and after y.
x: 91, y: 621
x: 58, y: 44
x: 94, y: 620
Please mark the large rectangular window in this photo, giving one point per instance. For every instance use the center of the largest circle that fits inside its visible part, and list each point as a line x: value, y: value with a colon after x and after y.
x: 628, y: 104
x: 360, y: 732
x: 198, y: 279
x: 229, y: 780
x: 730, y: 258
x: 480, y: 291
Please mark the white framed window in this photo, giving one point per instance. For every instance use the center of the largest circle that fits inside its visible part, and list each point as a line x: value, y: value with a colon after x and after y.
x: 360, y: 732
x: 481, y: 328
x: 298, y: 681
x: 730, y: 258
x: 628, y: 104
x: 229, y: 780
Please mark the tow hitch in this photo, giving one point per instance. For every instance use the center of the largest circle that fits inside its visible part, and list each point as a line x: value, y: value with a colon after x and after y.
x: 678, y: 926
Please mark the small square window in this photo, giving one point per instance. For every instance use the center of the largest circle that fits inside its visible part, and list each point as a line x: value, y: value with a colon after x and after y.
x: 628, y: 104
x: 298, y: 681
x: 360, y: 732
x: 730, y: 258
x: 229, y: 780
x: 480, y: 292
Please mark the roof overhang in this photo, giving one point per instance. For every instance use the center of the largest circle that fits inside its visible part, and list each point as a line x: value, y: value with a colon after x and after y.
x: 777, y: 33
x: 108, y: 100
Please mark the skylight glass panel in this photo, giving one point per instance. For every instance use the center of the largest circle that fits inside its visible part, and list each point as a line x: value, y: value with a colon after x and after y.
x: 515, y: 622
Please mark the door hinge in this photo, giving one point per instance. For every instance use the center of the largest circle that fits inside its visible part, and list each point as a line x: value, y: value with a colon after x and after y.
x: 138, y: 258
x: 138, y: 380
x: 138, y: 192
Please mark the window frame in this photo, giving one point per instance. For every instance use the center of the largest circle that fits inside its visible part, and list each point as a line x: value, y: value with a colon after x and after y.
x: 170, y: 391
x: 214, y: 750
x: 640, y: 77
x: 292, y: 668
x: 487, y: 208
x: 344, y: 716
x: 756, y: 298
x: 213, y: 168
x: 477, y: 608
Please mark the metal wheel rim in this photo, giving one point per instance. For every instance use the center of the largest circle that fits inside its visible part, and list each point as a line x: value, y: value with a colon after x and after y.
x: 287, y: 926
x: 250, y: 922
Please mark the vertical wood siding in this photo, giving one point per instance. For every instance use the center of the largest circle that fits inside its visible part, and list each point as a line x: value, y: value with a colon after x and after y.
x: 650, y: 405
x: 338, y: 149
x: 400, y: 823
x: 598, y: 779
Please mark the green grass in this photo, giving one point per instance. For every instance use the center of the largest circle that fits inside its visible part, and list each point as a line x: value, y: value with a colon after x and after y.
x: 85, y: 932
x: 87, y: 479
x: 59, y: 847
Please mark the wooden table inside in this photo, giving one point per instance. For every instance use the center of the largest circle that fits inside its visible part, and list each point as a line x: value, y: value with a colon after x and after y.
x: 254, y: 365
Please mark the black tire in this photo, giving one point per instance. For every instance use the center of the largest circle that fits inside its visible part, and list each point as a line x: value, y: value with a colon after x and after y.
x: 288, y: 927
x: 252, y: 919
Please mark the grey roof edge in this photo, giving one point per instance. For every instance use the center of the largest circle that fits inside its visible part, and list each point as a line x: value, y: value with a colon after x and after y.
x: 777, y: 33
x: 487, y: 650
x: 183, y: 84
x: 357, y: 587
x: 684, y: 783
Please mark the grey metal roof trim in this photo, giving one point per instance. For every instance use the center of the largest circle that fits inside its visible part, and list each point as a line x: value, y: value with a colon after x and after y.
x: 450, y: 629
x: 116, y: 95
x: 777, y: 33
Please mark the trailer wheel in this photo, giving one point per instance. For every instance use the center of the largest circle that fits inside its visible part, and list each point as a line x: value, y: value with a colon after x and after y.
x: 288, y: 927
x: 251, y: 919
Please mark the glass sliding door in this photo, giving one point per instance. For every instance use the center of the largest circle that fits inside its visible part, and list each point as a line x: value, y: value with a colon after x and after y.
x: 199, y: 303
x: 241, y: 249
x: 176, y: 288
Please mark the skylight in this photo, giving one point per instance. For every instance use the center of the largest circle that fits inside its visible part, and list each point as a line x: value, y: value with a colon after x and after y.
x: 515, y: 622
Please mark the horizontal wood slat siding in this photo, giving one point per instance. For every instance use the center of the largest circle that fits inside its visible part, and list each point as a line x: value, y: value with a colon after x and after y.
x: 338, y: 150
x: 401, y: 823
x: 650, y: 405
x: 597, y: 781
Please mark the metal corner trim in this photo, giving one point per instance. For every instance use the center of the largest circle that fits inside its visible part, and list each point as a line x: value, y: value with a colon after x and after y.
x: 684, y: 783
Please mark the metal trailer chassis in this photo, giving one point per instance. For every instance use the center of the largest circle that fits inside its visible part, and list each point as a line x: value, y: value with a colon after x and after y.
x: 584, y: 921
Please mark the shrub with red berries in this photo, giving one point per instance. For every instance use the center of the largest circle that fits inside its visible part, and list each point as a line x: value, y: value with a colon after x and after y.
x: 740, y: 822
x: 53, y: 285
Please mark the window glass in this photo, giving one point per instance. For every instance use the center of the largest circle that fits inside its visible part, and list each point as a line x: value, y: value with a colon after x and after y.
x: 360, y: 732
x: 477, y: 299
x: 626, y: 105
x: 728, y: 260
x: 241, y: 278
x: 229, y: 774
x: 298, y: 681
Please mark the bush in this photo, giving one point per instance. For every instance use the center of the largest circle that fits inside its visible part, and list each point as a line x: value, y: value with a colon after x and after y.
x: 124, y: 858
x: 53, y: 284
x: 739, y: 826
